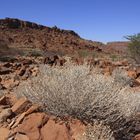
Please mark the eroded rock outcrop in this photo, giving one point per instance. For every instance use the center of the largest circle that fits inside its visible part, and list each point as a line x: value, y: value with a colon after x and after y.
x: 16, y: 23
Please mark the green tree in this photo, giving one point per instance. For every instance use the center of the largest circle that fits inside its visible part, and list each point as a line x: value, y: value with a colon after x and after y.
x: 134, y: 47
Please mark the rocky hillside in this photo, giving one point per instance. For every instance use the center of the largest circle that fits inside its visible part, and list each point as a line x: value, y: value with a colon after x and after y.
x: 116, y: 47
x: 24, y: 46
x: 22, y: 34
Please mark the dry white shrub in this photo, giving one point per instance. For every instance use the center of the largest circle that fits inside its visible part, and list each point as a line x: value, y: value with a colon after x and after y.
x: 72, y: 90
x: 99, y: 131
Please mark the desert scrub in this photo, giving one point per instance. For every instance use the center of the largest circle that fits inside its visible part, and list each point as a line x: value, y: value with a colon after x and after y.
x: 98, y: 131
x: 83, y: 53
x: 113, y: 57
x: 74, y: 91
x: 134, y: 47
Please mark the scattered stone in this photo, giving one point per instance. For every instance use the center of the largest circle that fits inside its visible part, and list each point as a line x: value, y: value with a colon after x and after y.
x: 4, y: 132
x: 22, y: 71
x: 138, y: 79
x: 31, y: 124
x: 3, y: 100
x: 10, y: 83
x: 77, y: 130
x: 108, y: 71
x: 8, y: 120
x: 137, y: 137
x: 1, y: 87
x: 121, y: 63
x: 32, y: 109
x: 34, y: 71
x: 2, y: 107
x: 4, y: 71
x: 7, y: 65
x: 16, y: 66
x: 12, y: 123
x: 138, y: 70
x: 27, y: 62
x: 20, y: 106
x: 21, y: 137
x: 26, y: 74
x: 19, y: 119
x: 5, y: 114
x: 55, y: 131
x: 22, y: 116
x: 132, y: 74
x: 11, y: 98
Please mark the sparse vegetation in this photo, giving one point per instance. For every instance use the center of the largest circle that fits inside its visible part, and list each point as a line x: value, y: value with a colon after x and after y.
x: 72, y: 90
x: 134, y: 47
x: 94, y: 54
x: 36, y: 53
x: 113, y: 57
x: 29, y: 52
x: 99, y: 131
x: 87, y: 53
x: 83, y: 53
x: 7, y: 59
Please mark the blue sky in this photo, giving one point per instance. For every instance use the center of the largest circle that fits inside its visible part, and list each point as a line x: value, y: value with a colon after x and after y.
x: 100, y: 20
